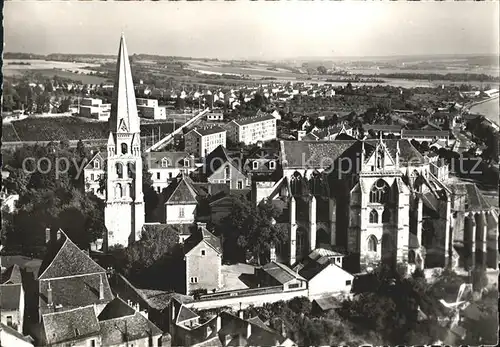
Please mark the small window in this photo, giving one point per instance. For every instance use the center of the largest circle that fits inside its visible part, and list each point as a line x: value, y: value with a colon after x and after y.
x: 164, y: 162
x: 194, y: 279
x: 373, y: 216
x: 170, y: 175
x: 272, y: 165
x: 186, y: 162
x: 203, y: 252
x: 181, y: 212
x: 124, y: 148
x: 92, y: 177
x: 227, y: 171
x: 9, y: 321
x: 157, y: 175
x: 294, y: 285
x: 255, y: 165
x: 240, y: 184
x: 348, y: 282
x: 97, y: 164
x: 92, y: 343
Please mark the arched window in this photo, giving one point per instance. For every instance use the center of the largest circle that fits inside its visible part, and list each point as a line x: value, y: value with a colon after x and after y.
x: 118, y: 190
x: 411, y: 256
x: 227, y: 171
x: 380, y: 158
x: 119, y: 170
x: 296, y: 183
x: 130, y: 170
x: 124, y: 148
x: 164, y: 162
x: 373, y: 216
x: 372, y: 244
x: 386, y: 216
x: 131, y: 190
x: 379, y: 192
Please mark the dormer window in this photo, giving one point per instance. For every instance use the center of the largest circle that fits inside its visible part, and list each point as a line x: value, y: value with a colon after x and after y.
x: 164, y: 162
x: 97, y: 164
x: 255, y: 165
x: 272, y: 165
x: 186, y: 162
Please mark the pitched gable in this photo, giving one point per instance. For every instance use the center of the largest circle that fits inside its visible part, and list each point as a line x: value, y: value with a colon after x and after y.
x: 69, y: 261
x: 182, y: 192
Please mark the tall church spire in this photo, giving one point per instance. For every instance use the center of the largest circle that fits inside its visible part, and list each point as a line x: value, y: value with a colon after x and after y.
x: 124, y: 117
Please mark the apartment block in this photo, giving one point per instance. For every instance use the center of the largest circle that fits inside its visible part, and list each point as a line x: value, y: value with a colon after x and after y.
x: 253, y: 129
x: 202, y: 141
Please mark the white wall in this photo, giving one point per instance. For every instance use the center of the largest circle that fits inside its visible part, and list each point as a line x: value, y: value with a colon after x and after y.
x: 172, y: 214
x: 331, y: 280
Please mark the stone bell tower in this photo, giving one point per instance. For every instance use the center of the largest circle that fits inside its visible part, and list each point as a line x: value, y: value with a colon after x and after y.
x: 124, y: 211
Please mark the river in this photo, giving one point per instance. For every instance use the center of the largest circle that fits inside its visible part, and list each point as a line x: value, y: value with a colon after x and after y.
x: 490, y: 109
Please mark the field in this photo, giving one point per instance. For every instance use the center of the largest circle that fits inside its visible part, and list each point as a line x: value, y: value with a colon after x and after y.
x: 69, y: 128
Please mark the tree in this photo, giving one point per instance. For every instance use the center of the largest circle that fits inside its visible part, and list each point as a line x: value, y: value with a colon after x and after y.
x: 322, y: 70
x: 251, y: 228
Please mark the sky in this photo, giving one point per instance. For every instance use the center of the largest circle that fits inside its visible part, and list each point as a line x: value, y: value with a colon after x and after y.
x: 253, y: 30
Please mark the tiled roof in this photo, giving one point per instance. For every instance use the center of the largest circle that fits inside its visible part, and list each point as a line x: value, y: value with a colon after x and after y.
x: 254, y: 119
x: 10, y: 295
x: 64, y: 290
x: 181, y: 191
x: 312, y: 154
x: 65, y: 259
x: 323, y: 252
x: 12, y: 275
x: 280, y: 272
x: 116, y: 308
x: 174, y: 159
x: 102, y: 156
x: 214, y: 160
x: 159, y: 299
x: 126, y: 329
x: 11, y: 331
x: 185, y: 314
x: 258, y: 322
x: 312, y: 268
x: 381, y: 127
x: 202, y: 235
x: 416, y: 133
x: 328, y: 303
x: 70, y: 325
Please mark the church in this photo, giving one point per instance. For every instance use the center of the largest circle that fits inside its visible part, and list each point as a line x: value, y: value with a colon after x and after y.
x: 372, y: 200
x: 377, y: 201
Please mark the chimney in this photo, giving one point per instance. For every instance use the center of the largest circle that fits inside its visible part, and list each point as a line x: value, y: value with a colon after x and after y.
x: 240, y: 314
x: 47, y: 235
x: 249, y: 330
x: 49, y: 295
x: 218, y: 323
x: 101, y: 288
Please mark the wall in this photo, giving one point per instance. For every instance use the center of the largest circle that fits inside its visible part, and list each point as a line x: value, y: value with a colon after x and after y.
x: 172, y: 214
x: 245, y: 301
x: 86, y: 342
x: 206, y: 268
x: 219, y: 176
x: 331, y: 280
x: 8, y: 340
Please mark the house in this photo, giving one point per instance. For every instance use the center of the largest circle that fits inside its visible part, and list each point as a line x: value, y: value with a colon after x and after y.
x: 425, y: 135
x: 327, y: 134
x: 262, y: 163
x: 11, y: 337
x: 166, y: 166
x: 304, y: 124
x: 277, y: 274
x: 75, y: 327
x: 384, y: 129
x: 325, y: 304
x: 12, y: 299
x: 202, y: 141
x: 95, y: 109
x: 122, y: 325
x: 276, y: 115
x: 181, y: 200
x: 219, y: 167
x: 93, y: 172
x: 203, y: 261
x: 251, y: 130
x: 215, y: 117
x: 148, y: 108
x: 67, y: 270
x: 324, y: 274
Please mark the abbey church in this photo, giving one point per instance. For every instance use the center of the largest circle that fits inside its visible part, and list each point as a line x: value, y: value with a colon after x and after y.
x: 371, y: 200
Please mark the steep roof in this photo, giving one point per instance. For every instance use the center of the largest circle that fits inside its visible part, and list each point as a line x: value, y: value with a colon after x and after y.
x: 11, y: 331
x: 99, y: 155
x: 280, y: 272
x: 65, y: 259
x: 124, y: 117
x: 202, y: 235
x: 130, y: 328
x: 214, y: 160
x: 174, y: 159
x: 181, y: 191
x: 70, y: 325
x: 10, y: 295
x: 185, y: 314
x: 181, y: 229
x: 64, y: 289
x: 312, y: 154
x: 12, y: 275
x: 116, y: 308
x: 475, y: 199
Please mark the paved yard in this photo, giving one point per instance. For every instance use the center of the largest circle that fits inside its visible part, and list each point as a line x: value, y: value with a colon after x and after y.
x: 237, y: 276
